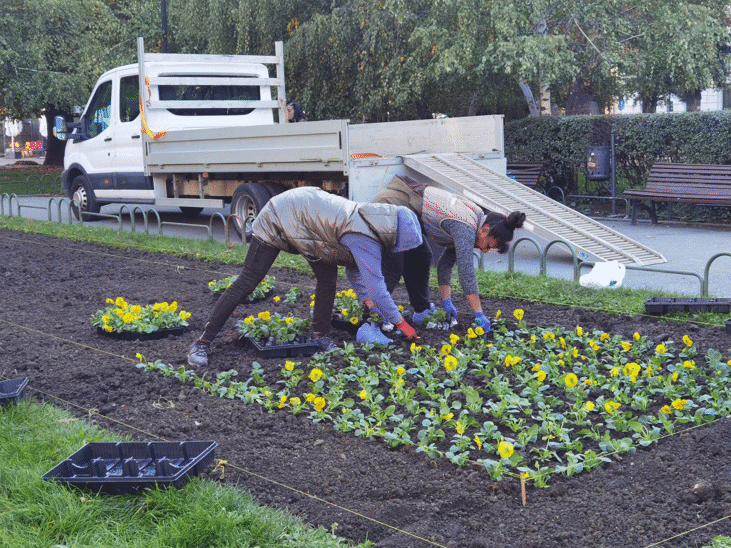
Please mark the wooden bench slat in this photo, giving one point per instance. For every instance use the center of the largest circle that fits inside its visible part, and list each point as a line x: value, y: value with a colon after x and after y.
x: 699, y: 184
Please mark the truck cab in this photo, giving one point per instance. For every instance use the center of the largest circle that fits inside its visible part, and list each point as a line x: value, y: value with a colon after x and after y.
x: 105, y: 157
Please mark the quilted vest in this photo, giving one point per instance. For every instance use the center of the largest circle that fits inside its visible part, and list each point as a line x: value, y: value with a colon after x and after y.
x: 310, y: 222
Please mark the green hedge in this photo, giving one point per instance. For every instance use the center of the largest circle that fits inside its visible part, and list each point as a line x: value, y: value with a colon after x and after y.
x: 640, y: 140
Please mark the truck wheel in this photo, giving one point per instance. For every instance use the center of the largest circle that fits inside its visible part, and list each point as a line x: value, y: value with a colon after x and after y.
x: 82, y: 193
x: 246, y: 203
x: 191, y: 212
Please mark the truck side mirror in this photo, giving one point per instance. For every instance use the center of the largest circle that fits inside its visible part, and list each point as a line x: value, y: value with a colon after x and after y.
x: 59, y: 128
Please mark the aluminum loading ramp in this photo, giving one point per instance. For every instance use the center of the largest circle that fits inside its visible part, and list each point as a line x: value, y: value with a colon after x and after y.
x: 545, y: 217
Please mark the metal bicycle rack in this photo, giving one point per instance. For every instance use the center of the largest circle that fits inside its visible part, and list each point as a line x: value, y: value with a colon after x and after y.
x: 578, y: 263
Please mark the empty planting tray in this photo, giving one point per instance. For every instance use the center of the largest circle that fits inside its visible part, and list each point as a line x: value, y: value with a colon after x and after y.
x: 662, y: 305
x: 306, y: 348
x: 129, y: 467
x: 11, y: 391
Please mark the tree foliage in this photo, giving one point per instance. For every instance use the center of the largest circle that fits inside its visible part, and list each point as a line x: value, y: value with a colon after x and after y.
x: 376, y: 60
x: 52, y: 51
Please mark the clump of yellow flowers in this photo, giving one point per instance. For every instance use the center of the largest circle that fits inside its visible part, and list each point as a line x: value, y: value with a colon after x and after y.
x: 124, y: 316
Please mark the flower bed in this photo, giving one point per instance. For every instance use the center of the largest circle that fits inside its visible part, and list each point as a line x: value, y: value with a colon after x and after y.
x: 532, y: 400
x: 132, y: 321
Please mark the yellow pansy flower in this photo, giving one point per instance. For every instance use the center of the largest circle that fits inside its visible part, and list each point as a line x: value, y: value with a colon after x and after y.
x: 579, y: 331
x: 453, y: 338
x: 316, y: 374
x: 666, y: 409
x: 319, y: 403
x: 679, y: 404
x: 505, y: 449
x: 688, y: 341
x: 518, y: 313
x: 611, y: 406
x: 478, y: 442
x: 571, y: 380
x: 289, y: 365
x: 589, y: 406
x: 450, y: 363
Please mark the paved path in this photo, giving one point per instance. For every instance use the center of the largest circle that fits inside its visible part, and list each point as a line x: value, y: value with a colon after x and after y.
x: 687, y: 249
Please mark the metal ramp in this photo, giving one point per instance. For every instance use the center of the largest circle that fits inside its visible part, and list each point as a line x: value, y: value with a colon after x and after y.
x: 546, y: 218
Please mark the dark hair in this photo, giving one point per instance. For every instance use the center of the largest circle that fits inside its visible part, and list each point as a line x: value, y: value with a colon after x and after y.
x: 502, y: 227
x: 299, y: 115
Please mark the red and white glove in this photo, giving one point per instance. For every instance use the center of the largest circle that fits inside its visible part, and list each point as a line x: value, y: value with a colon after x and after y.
x: 406, y: 329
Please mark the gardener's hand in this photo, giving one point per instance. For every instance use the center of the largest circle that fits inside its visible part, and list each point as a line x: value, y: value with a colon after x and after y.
x: 449, y: 308
x: 406, y: 329
x: 374, y: 310
x: 482, y: 321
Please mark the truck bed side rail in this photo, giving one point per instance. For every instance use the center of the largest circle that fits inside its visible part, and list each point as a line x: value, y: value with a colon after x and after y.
x: 148, y: 80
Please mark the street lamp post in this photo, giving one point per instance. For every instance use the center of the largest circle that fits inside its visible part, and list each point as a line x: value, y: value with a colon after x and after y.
x: 164, y: 17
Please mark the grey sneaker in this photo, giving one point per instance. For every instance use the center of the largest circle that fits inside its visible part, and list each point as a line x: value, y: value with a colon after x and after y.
x: 198, y: 354
x: 325, y: 343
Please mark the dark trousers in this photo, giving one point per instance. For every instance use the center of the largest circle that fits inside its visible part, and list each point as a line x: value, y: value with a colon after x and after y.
x: 414, y: 265
x: 259, y: 260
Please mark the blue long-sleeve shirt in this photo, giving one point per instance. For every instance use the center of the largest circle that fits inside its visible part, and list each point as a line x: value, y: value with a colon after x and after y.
x: 367, y: 280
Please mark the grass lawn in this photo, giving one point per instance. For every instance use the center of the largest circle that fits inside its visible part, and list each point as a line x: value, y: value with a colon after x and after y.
x: 33, y: 512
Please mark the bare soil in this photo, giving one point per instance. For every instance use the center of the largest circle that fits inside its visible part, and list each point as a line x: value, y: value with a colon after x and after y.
x: 394, y: 498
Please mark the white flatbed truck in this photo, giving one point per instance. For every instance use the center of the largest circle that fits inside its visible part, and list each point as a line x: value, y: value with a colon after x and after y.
x: 198, y: 131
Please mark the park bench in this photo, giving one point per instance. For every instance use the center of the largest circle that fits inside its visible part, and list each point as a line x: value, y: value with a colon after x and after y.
x: 528, y: 173
x: 695, y: 184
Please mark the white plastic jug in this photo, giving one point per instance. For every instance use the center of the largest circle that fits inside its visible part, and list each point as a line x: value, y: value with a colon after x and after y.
x: 607, y: 274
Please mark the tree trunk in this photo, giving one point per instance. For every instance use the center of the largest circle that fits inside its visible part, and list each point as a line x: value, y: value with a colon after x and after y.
x: 472, y: 109
x: 581, y: 99
x: 55, y: 148
x: 692, y: 100
x: 649, y: 104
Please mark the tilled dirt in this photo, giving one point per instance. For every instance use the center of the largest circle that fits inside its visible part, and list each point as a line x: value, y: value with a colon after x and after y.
x: 394, y: 498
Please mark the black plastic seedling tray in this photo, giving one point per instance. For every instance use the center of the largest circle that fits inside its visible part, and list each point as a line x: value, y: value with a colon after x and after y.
x: 11, y: 391
x: 129, y: 467
x: 306, y: 348
x: 138, y: 335
x: 345, y: 325
x: 663, y: 305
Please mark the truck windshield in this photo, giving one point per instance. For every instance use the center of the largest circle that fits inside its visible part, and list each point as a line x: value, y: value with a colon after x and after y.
x: 198, y: 94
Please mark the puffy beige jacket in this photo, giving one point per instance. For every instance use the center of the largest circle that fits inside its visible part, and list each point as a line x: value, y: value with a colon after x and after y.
x: 310, y: 222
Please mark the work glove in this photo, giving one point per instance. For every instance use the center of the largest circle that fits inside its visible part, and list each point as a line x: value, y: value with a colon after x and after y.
x: 482, y: 321
x: 369, y: 333
x: 419, y: 317
x: 406, y: 329
x: 449, y: 309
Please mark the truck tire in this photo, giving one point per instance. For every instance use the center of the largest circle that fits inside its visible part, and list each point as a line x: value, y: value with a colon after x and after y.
x: 246, y: 203
x: 82, y: 193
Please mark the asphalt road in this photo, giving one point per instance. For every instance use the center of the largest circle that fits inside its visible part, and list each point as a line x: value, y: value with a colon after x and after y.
x: 688, y: 249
